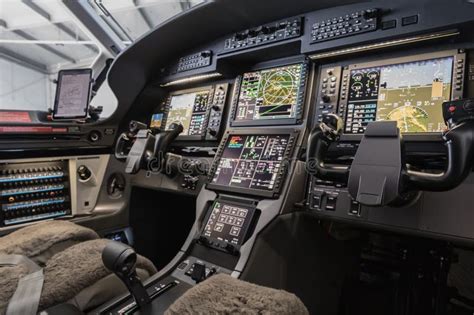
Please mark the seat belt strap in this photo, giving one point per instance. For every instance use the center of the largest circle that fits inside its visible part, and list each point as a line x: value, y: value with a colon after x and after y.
x: 25, y: 300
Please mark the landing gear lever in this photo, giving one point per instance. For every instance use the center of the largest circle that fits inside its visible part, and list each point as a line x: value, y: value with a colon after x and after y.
x: 121, y: 259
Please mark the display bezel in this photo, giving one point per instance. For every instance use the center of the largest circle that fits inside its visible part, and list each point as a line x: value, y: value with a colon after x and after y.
x: 409, y: 136
x: 62, y: 73
x: 166, y: 109
x: 299, y: 106
x: 275, y: 192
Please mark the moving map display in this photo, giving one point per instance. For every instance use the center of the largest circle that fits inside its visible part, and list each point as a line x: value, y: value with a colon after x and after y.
x: 251, y: 161
x: 270, y: 94
x: 409, y: 93
x: 190, y: 110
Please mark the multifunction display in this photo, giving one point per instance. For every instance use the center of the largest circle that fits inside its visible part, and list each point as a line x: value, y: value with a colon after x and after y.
x: 190, y: 110
x: 270, y: 94
x: 228, y: 222
x: 199, y: 110
x: 409, y: 93
x: 252, y: 161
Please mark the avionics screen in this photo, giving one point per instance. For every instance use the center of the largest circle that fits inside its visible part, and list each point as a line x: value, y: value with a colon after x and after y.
x: 190, y: 110
x: 228, y: 222
x: 409, y: 93
x: 72, y: 94
x: 270, y: 94
x: 251, y: 161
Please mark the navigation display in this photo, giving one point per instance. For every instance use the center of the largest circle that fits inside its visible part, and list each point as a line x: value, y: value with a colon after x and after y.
x: 409, y: 93
x: 271, y: 94
x: 252, y: 161
x: 72, y: 94
x: 190, y: 110
x: 228, y: 222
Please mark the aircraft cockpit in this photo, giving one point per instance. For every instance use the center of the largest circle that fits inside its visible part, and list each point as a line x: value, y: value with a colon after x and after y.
x: 237, y: 157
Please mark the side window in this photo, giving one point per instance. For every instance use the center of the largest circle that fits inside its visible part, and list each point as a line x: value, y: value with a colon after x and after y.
x: 37, y: 39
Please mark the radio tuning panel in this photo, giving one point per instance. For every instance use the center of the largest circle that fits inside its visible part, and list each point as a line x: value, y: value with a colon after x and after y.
x: 328, y: 91
x: 216, y: 111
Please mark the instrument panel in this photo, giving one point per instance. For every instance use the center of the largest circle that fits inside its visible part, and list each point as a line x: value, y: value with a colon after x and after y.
x: 409, y: 90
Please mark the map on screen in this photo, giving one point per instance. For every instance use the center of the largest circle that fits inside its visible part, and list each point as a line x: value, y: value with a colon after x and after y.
x: 270, y: 93
x: 190, y: 110
x: 409, y: 93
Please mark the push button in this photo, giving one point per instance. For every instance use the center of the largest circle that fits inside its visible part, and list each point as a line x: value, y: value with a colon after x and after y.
x: 317, y: 199
x: 409, y: 20
x: 331, y: 203
x: 355, y: 208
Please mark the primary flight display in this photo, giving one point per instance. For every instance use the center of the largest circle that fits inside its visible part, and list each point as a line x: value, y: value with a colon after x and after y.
x: 409, y: 93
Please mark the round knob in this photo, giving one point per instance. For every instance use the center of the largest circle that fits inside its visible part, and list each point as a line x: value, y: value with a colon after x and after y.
x: 216, y: 108
x: 94, y: 136
x: 84, y: 172
x: 212, y: 132
x: 371, y: 13
x: 326, y: 98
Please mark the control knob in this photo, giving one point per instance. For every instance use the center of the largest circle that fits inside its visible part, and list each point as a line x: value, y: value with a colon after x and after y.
x: 84, y: 172
x: 215, y: 108
x: 326, y: 98
x: 371, y: 14
x: 212, y: 132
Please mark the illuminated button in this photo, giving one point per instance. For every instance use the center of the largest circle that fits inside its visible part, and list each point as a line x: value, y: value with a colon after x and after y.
x: 452, y: 108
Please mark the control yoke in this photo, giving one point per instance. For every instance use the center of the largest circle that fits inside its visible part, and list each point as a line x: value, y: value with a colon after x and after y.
x: 145, y: 148
x: 378, y: 175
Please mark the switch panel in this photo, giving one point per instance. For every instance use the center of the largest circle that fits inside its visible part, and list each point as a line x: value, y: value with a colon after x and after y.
x: 199, y: 60
x: 216, y: 111
x: 328, y: 91
x: 345, y: 25
x: 34, y: 191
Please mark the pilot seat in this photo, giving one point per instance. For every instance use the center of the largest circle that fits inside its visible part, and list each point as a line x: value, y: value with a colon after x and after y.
x: 67, y: 257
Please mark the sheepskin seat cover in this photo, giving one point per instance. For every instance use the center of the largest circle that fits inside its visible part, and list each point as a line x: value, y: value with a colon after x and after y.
x: 222, y: 294
x: 41, y: 241
x: 69, y: 273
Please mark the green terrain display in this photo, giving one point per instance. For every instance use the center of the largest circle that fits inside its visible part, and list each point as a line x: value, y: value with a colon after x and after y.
x: 269, y: 94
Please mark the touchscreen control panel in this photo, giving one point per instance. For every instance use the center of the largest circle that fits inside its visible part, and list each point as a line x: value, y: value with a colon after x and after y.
x: 31, y: 192
x: 271, y: 96
x: 228, y: 223
x: 251, y: 163
x: 199, y: 110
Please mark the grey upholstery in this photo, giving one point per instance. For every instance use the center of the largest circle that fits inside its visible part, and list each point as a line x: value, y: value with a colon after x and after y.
x: 222, y: 294
x: 71, y: 257
x: 41, y: 241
